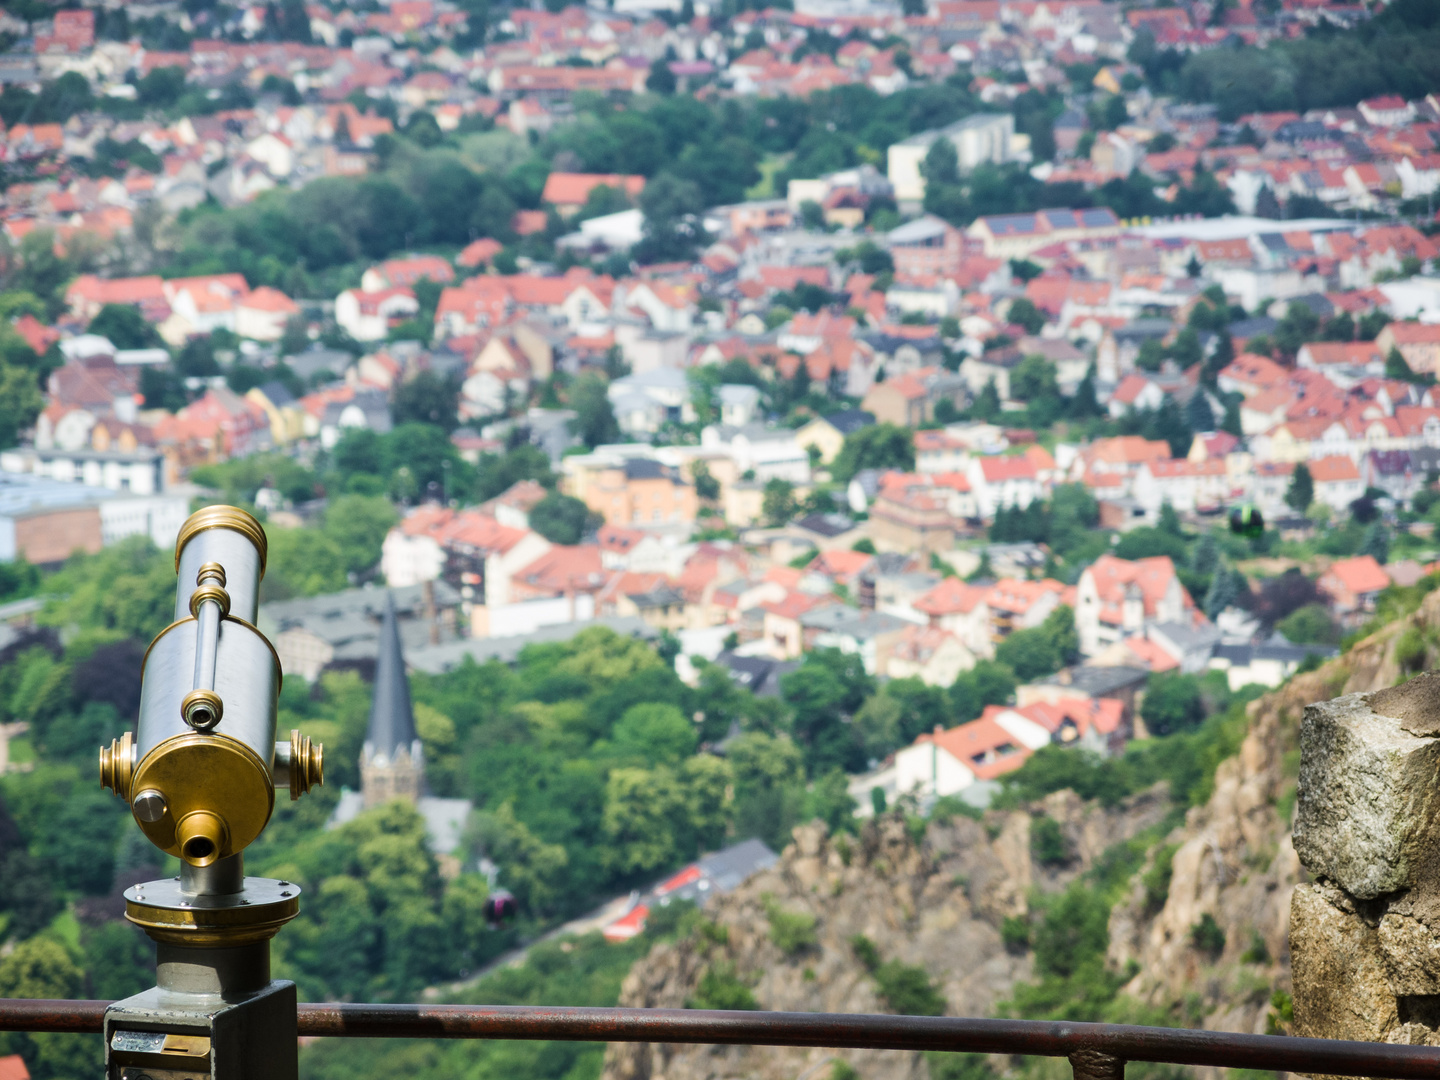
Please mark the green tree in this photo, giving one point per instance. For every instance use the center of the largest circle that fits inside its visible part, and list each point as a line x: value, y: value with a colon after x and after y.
x: 987, y: 683
x: 1309, y: 625
x: 594, y: 419
x: 1029, y: 653
x: 124, y: 326
x: 875, y: 446
x: 769, y: 776
x: 1025, y: 314
x: 778, y: 505
x: 908, y: 990
x: 20, y: 403
x: 1226, y: 586
x: 529, y: 867
x: 1173, y: 703
x: 1301, y: 492
x: 827, y: 690
x: 1034, y: 380
x: 302, y: 562
x: 357, y: 525
x: 705, y: 784
x: 706, y: 486
x: 661, y: 79
x: 128, y: 588
x: 987, y: 403
x: 640, y: 808
x: 672, y: 209
x: 561, y: 519
x: 427, y: 399
x: 1377, y: 542
x: 655, y: 732
x: 41, y: 968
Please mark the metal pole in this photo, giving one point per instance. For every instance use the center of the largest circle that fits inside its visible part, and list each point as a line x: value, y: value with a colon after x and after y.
x: 1096, y: 1051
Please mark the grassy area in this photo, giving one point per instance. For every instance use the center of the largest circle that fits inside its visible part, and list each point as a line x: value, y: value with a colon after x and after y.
x: 22, y: 751
x: 769, y: 166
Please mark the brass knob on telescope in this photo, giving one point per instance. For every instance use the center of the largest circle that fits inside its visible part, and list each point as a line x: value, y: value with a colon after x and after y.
x: 117, y: 764
x: 307, y: 764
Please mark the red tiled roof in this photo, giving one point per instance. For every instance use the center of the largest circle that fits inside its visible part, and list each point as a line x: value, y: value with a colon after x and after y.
x: 572, y: 189
x: 951, y: 596
x: 1153, y: 575
x: 983, y: 738
x: 1361, y: 574
x: 1333, y: 469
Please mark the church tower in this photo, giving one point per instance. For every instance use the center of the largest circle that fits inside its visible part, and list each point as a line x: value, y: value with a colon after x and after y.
x: 392, y: 763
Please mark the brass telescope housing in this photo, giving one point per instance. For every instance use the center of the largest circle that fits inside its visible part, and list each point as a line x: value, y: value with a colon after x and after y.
x: 200, y: 775
x: 201, y: 771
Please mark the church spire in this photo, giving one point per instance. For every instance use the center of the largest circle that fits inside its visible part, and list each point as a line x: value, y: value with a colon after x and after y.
x: 392, y: 764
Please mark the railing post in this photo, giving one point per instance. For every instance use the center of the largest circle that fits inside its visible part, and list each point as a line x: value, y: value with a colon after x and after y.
x: 1091, y: 1064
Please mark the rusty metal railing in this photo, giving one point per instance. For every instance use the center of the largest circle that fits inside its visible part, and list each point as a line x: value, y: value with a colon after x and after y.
x: 1095, y: 1051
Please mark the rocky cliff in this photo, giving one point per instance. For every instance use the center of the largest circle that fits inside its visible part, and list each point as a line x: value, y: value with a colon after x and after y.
x: 939, y: 898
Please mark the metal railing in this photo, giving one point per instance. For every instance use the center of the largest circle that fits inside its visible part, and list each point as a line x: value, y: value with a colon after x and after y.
x: 1095, y: 1051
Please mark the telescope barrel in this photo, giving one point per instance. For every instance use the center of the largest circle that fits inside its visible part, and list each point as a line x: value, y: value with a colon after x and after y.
x: 202, y: 770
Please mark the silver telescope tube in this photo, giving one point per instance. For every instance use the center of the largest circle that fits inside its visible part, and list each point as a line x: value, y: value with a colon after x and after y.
x: 204, y: 764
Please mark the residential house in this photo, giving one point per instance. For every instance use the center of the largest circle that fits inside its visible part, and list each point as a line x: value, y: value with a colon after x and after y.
x: 1117, y: 598
x: 407, y: 272
x: 828, y: 433
x: 910, y: 400
x: 370, y: 316
x: 909, y: 514
x: 1269, y: 663
x: 1190, y: 644
x: 1418, y: 343
x: 1136, y: 391
x: 783, y: 631
x: 561, y: 586
x: 343, y: 629
x: 1353, y: 586
x: 871, y: 635
x: 641, y: 492
x: 645, y: 403
x: 1344, y: 363
x: 934, y: 656
x: 286, y: 417
x: 473, y: 552
x: 962, y: 610
x: 1187, y: 486
x: 1337, y: 481
x: 1088, y: 682
x: 927, y: 247
x: 1012, y: 482
x: 1021, y: 605
x: 968, y: 760
x: 1100, y: 725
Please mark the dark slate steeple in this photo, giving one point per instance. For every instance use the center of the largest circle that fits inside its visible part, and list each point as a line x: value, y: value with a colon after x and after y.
x: 392, y: 720
x: 392, y: 764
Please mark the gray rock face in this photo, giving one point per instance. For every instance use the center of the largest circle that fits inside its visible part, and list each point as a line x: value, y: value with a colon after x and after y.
x: 1367, y: 795
x: 1365, y: 937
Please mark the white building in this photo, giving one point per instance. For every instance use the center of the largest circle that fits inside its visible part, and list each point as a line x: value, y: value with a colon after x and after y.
x: 368, y: 316
x: 771, y: 453
x: 978, y: 753
x: 985, y: 137
x: 1002, y: 481
x: 643, y: 403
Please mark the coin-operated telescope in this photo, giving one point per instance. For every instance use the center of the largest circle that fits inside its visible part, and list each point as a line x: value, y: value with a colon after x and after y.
x: 200, y: 777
